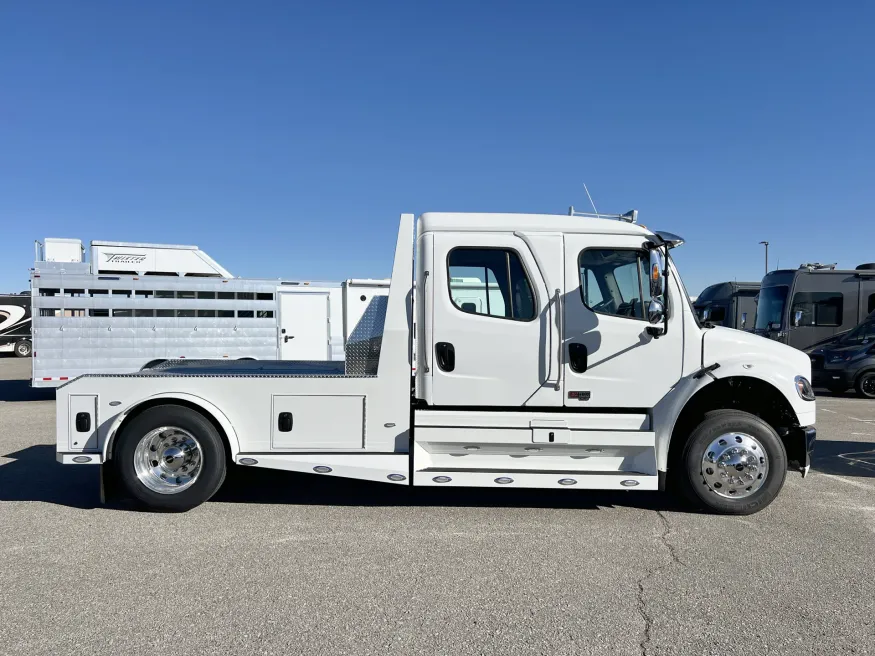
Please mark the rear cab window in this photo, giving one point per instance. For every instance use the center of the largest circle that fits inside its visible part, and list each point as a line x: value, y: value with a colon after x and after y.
x: 490, y: 282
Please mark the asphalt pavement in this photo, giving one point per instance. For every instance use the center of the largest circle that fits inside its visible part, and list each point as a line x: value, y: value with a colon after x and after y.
x: 280, y: 563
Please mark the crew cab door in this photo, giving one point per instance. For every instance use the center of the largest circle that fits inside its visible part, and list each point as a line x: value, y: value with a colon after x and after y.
x: 610, y: 359
x: 493, y: 333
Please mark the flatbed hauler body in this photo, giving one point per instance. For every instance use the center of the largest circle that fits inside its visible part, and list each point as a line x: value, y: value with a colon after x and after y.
x: 580, y: 365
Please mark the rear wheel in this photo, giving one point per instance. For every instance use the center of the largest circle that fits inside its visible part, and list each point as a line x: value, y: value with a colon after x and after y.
x: 23, y: 348
x: 733, y: 463
x: 866, y: 385
x: 170, y: 458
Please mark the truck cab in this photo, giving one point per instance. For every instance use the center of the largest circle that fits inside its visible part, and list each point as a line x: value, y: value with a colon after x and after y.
x: 550, y: 352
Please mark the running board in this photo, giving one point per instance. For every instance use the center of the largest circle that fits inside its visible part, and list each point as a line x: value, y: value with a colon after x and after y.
x: 382, y: 467
x: 582, y: 480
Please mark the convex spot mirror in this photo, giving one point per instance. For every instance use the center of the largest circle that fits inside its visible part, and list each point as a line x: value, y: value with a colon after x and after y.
x: 797, y: 318
x: 656, y: 311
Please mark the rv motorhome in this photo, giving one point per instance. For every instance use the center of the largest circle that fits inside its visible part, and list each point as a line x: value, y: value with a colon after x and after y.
x: 730, y: 304
x: 15, y: 324
x: 138, y: 305
x: 814, y: 304
x: 571, y: 360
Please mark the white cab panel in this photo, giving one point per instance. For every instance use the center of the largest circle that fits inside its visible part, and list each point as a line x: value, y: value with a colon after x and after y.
x: 498, y: 360
x: 627, y: 367
x: 318, y: 422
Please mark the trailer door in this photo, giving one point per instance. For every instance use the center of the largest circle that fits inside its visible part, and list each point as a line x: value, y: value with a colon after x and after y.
x: 304, y: 333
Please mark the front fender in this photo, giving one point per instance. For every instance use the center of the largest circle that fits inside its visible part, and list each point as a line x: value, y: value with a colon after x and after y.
x: 202, y: 403
x: 779, y: 374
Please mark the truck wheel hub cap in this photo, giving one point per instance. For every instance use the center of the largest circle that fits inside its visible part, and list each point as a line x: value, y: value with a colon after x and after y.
x: 735, y: 465
x: 167, y: 460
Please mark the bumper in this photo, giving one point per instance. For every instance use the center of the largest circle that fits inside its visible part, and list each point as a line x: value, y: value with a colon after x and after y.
x: 800, y: 443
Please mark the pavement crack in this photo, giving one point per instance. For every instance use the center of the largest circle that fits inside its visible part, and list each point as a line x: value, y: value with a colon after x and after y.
x: 641, y: 600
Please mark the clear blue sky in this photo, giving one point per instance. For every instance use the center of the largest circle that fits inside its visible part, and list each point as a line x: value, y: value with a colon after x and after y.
x: 285, y: 138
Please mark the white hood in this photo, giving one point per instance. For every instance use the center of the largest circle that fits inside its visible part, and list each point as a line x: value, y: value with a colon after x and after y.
x: 722, y: 344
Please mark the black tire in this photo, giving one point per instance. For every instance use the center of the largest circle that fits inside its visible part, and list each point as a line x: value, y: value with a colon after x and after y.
x: 212, y: 454
x: 715, y: 425
x: 866, y: 385
x: 23, y: 348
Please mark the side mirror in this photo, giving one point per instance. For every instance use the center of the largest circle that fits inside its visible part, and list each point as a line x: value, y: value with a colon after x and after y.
x: 656, y: 311
x: 743, y: 319
x: 657, y: 278
x: 797, y: 318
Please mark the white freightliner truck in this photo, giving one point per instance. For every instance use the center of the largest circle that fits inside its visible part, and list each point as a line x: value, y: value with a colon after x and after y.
x: 588, y: 369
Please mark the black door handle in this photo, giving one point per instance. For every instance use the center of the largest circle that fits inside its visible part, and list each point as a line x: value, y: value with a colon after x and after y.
x: 445, y: 354
x: 577, y: 358
x: 284, y: 422
x: 83, y: 422
x: 287, y: 338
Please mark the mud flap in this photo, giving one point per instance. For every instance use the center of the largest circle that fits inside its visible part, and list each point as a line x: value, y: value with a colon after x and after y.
x: 110, y: 490
x: 800, y: 442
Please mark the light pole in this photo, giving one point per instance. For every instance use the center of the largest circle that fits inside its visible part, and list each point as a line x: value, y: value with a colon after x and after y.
x: 766, y: 244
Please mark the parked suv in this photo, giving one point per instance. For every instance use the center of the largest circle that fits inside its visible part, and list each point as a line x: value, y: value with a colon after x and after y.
x: 849, y: 361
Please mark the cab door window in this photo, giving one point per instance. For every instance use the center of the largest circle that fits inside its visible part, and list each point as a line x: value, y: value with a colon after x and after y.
x: 491, y: 282
x: 614, y: 282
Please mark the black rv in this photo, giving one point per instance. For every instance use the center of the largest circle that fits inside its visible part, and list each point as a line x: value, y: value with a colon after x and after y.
x: 15, y: 323
x: 814, y: 304
x: 730, y: 304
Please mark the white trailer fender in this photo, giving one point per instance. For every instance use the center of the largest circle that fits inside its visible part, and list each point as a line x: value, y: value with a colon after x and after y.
x: 208, y: 407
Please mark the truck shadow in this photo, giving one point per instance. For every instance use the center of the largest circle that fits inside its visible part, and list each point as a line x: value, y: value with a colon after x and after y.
x: 20, y: 390
x: 249, y: 485
x: 844, y: 458
x: 35, y: 475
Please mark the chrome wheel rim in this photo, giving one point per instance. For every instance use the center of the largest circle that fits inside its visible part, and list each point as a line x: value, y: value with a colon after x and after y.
x: 168, y: 460
x: 22, y: 349
x: 735, y: 465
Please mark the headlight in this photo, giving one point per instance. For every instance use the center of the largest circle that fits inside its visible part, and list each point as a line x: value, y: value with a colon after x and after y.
x: 804, y: 388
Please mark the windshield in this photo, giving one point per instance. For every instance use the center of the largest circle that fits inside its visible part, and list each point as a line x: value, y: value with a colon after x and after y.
x: 770, y: 307
x: 862, y: 334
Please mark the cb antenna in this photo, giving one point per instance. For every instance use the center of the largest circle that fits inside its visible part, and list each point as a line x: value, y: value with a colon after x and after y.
x: 590, y: 200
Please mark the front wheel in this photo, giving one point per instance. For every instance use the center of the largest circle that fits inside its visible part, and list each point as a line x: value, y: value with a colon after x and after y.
x: 866, y: 385
x: 733, y: 463
x: 170, y: 458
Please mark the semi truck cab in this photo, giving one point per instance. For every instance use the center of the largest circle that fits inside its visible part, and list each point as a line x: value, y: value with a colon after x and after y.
x: 550, y: 352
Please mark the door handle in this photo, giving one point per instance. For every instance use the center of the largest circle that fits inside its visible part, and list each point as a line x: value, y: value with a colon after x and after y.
x: 445, y: 354
x: 284, y: 422
x: 577, y: 358
x: 286, y: 338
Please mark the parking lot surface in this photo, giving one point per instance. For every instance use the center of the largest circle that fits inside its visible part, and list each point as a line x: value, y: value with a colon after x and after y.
x: 279, y: 563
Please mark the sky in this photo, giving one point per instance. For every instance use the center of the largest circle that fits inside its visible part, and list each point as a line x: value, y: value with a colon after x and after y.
x: 285, y: 138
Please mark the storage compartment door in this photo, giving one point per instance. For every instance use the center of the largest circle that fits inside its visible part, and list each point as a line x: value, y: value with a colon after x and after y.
x: 82, y: 417
x: 317, y: 423
x: 304, y: 333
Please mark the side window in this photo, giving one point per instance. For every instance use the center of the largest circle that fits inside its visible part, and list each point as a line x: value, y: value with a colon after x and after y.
x: 718, y: 314
x: 614, y: 282
x: 490, y: 281
x: 871, y: 304
x: 818, y: 308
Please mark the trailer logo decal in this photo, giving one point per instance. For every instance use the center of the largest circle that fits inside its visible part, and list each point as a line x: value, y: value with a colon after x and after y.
x: 124, y: 258
x: 579, y: 396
